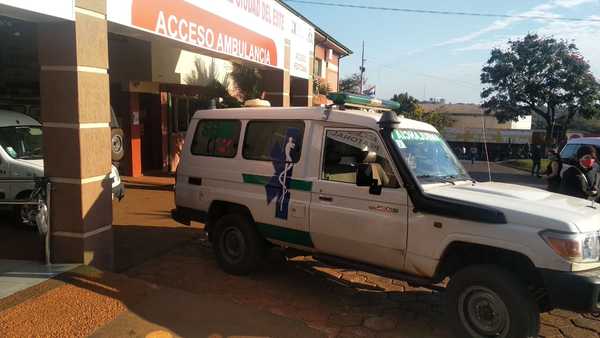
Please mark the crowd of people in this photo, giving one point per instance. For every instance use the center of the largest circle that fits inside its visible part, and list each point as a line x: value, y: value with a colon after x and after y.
x: 579, y: 180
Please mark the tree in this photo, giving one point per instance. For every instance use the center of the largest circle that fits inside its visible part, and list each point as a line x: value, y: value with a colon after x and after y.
x: 410, y: 108
x: 213, y: 84
x: 203, y: 74
x: 248, y: 81
x: 408, y: 104
x: 540, y: 76
x: 320, y: 87
x: 351, y: 84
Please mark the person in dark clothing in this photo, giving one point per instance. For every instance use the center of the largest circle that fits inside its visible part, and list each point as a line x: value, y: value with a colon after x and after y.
x: 581, y: 180
x: 553, y: 170
x: 536, y: 158
x: 473, y: 154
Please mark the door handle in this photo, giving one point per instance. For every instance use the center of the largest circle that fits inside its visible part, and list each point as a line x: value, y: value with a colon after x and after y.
x: 326, y: 198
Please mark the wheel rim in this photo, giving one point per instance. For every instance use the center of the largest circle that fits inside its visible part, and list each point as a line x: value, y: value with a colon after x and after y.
x: 483, y: 313
x: 233, y: 245
x: 117, y: 144
x: 27, y: 213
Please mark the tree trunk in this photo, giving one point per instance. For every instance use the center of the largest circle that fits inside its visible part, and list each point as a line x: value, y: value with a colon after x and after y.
x: 550, y: 121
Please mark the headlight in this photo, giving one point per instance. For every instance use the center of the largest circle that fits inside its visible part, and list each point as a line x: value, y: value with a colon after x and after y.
x: 576, y: 248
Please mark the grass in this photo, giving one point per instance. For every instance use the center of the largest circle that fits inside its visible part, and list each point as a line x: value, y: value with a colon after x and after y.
x: 525, y: 164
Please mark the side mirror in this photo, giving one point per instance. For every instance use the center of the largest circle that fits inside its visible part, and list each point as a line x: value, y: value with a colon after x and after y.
x: 364, y: 178
x: 364, y: 175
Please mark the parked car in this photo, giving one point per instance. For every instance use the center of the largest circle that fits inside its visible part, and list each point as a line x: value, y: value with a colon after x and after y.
x: 385, y: 194
x: 21, y: 156
x: 568, y: 154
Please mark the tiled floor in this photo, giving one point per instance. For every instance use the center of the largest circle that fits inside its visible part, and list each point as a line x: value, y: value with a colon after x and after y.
x: 19, y: 275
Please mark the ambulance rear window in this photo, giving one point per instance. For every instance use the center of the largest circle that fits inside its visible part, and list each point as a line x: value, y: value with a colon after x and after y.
x: 216, y: 138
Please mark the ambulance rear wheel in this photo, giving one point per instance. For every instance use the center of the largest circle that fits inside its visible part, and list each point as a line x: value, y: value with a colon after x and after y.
x: 238, y: 246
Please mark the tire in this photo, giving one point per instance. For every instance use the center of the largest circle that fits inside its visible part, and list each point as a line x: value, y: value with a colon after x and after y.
x: 18, y: 216
x: 117, y: 144
x: 481, y: 288
x: 238, y: 247
x: 20, y: 211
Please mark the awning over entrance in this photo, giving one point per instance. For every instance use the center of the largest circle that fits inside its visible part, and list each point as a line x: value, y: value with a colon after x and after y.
x: 262, y: 32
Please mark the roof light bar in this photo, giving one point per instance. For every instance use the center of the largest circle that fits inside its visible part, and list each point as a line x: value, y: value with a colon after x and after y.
x: 362, y: 101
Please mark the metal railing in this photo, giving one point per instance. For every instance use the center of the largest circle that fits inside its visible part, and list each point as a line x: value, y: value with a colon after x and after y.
x: 40, y: 197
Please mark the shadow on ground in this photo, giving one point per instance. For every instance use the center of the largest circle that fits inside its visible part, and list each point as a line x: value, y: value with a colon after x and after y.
x: 134, y: 244
x: 338, y: 302
x: 19, y: 242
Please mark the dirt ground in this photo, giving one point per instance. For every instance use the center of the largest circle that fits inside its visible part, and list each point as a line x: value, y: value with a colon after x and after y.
x: 170, y: 285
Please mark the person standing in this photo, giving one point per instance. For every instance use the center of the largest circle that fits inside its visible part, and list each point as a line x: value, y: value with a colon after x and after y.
x: 536, y: 158
x: 553, y: 170
x: 581, y: 180
x: 473, y: 154
x: 463, y: 150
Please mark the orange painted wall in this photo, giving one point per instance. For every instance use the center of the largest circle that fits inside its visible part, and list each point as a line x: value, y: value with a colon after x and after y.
x: 136, y: 142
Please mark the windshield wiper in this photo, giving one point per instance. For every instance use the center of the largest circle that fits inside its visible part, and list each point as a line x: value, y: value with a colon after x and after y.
x: 456, y: 178
x: 447, y: 179
x: 442, y: 179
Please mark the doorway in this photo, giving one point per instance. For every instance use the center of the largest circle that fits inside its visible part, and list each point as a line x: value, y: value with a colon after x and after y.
x: 21, y: 142
x: 151, y: 125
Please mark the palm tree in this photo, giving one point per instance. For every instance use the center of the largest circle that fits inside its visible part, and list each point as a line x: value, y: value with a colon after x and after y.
x: 248, y: 81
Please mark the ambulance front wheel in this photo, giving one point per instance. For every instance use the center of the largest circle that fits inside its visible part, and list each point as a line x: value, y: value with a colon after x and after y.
x: 238, y: 246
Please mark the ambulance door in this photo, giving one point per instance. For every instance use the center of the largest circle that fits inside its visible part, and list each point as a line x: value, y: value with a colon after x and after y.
x: 347, y: 220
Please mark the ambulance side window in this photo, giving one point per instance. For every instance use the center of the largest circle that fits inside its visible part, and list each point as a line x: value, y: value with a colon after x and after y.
x: 216, y: 138
x: 345, y: 149
x: 279, y: 141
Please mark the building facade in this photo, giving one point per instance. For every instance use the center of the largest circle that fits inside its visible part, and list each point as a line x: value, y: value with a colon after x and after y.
x: 472, y: 128
x: 153, y: 63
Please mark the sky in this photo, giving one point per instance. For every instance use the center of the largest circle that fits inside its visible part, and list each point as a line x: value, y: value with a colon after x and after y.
x: 439, y: 56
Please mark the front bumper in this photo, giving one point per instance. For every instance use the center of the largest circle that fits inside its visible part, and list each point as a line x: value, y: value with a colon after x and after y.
x: 575, y: 291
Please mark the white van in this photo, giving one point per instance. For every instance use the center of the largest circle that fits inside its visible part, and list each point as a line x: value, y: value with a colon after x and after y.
x: 21, y: 156
x: 385, y: 194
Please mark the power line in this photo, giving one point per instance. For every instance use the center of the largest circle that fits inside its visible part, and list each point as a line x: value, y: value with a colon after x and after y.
x: 436, y: 12
x: 437, y: 77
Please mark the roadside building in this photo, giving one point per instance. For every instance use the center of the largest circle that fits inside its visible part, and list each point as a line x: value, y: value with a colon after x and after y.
x: 471, y: 126
x: 328, y: 53
x: 77, y: 59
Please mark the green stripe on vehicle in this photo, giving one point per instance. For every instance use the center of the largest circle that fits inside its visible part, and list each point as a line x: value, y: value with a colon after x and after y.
x: 291, y: 236
x: 264, y: 180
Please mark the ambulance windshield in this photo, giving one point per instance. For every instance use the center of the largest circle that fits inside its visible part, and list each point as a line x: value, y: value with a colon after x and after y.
x: 428, y: 156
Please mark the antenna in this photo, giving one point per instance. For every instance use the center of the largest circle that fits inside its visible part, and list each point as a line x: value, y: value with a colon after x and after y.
x: 362, y: 68
x: 487, y: 156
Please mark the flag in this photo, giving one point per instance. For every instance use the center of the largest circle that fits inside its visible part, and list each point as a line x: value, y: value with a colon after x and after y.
x: 370, y: 91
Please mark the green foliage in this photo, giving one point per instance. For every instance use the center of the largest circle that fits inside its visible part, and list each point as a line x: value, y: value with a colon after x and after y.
x: 525, y: 165
x: 202, y: 74
x: 321, y: 87
x: 207, y: 78
x: 542, y: 76
x: 408, y: 104
x: 248, y: 81
x: 410, y: 108
x: 351, y: 84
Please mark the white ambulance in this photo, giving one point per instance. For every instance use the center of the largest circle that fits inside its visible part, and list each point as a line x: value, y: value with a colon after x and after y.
x: 21, y: 157
x: 384, y: 194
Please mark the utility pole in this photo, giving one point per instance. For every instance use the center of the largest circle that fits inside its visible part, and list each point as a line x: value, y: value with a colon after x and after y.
x: 362, y: 68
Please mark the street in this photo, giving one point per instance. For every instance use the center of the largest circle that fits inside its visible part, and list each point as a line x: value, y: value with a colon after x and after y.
x: 170, y: 284
x: 500, y: 173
